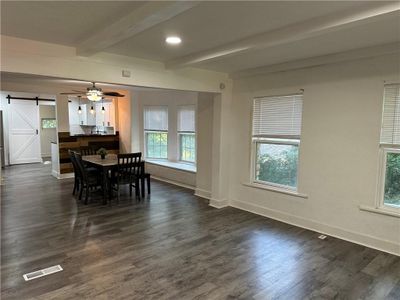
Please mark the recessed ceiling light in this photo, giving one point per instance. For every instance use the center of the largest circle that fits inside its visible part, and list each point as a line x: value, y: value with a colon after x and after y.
x: 173, y: 40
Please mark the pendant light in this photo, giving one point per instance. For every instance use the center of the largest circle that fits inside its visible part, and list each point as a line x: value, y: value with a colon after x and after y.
x: 79, y: 107
x: 103, y: 111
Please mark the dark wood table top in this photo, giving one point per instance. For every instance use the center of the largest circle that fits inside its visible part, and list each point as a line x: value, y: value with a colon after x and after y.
x: 110, y: 160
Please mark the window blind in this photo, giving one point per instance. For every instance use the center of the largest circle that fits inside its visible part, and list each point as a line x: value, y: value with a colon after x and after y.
x: 390, y: 131
x: 186, y: 118
x: 156, y: 118
x: 278, y: 116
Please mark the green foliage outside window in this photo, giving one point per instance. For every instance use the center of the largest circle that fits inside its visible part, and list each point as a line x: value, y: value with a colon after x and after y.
x: 156, y: 144
x: 188, y: 147
x: 277, y: 164
x: 49, y: 123
x: 392, y: 179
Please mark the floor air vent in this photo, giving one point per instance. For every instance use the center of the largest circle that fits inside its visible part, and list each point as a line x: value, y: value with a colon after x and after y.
x: 43, y: 272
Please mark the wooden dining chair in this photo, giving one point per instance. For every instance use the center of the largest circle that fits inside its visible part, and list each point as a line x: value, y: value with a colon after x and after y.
x: 129, y: 172
x: 87, y: 151
x: 89, y: 179
x: 144, y: 177
x: 77, y: 175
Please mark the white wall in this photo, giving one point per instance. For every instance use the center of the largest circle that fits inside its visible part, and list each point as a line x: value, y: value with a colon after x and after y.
x: 47, y: 135
x: 33, y: 57
x: 338, y: 165
x: 205, y: 105
x: 136, y: 142
x: 171, y: 99
x: 124, y: 117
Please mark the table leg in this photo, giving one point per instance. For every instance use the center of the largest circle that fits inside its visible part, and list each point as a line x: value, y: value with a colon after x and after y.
x: 105, y: 185
x: 142, y: 186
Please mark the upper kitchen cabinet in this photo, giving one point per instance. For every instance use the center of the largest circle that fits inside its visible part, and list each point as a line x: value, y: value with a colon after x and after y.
x: 105, y: 117
x: 91, y: 118
x: 83, y: 117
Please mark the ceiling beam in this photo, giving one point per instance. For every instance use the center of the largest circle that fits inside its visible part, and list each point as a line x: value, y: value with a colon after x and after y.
x: 145, y: 16
x: 294, y: 32
x: 368, y: 52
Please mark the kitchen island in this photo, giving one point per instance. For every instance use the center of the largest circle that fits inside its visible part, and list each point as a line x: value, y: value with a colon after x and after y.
x: 67, y: 141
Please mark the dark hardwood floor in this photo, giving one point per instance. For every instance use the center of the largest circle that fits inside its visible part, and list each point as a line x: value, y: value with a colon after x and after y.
x: 171, y: 246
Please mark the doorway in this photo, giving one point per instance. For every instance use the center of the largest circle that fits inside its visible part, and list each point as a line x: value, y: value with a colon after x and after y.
x: 29, y: 127
x: 23, y: 132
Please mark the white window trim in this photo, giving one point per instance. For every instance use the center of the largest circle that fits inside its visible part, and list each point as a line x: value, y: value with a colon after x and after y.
x: 270, y: 185
x: 379, y: 202
x: 274, y: 189
x: 190, y: 168
x: 145, y: 144
x: 179, y: 147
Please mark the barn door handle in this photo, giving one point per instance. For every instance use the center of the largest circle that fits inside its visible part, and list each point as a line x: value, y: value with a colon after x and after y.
x: 37, y: 131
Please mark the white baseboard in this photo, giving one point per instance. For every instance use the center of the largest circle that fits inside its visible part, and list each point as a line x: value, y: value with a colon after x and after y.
x: 202, y: 193
x: 173, y: 182
x: 219, y: 203
x: 62, y: 176
x: 354, y: 237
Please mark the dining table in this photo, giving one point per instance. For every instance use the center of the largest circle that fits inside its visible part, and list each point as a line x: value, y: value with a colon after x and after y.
x: 107, y: 165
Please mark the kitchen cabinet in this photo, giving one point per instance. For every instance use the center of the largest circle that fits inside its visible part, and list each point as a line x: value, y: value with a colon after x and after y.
x: 106, y: 119
x: 86, y: 118
x: 82, y: 117
x: 74, y: 117
x: 90, y: 118
x: 99, y: 115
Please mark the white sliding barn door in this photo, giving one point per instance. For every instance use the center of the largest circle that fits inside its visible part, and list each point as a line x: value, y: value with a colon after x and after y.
x: 23, y: 126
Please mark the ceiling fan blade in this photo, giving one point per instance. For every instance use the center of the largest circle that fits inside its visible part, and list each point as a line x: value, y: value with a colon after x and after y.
x: 113, y: 94
x: 83, y: 92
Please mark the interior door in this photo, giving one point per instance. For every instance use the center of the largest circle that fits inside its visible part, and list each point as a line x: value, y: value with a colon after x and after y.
x: 23, y: 126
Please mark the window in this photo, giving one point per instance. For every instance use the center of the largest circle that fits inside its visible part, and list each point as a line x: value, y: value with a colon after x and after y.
x: 187, y: 133
x: 49, y: 123
x: 156, y: 131
x: 276, y: 139
x: 389, y: 196
x: 157, y: 145
x: 187, y: 146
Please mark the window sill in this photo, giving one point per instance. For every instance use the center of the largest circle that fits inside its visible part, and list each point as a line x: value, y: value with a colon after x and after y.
x: 173, y: 165
x: 275, y: 189
x: 381, y: 211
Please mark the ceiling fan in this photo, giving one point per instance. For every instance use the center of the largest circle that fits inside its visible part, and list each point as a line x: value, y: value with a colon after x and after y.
x: 94, y: 93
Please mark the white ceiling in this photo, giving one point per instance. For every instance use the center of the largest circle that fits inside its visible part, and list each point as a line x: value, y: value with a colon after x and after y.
x: 366, y: 35
x: 206, y: 26
x: 215, y: 23
x: 59, y: 22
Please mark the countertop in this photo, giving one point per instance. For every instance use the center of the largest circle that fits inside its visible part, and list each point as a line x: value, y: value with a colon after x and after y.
x: 92, y: 135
